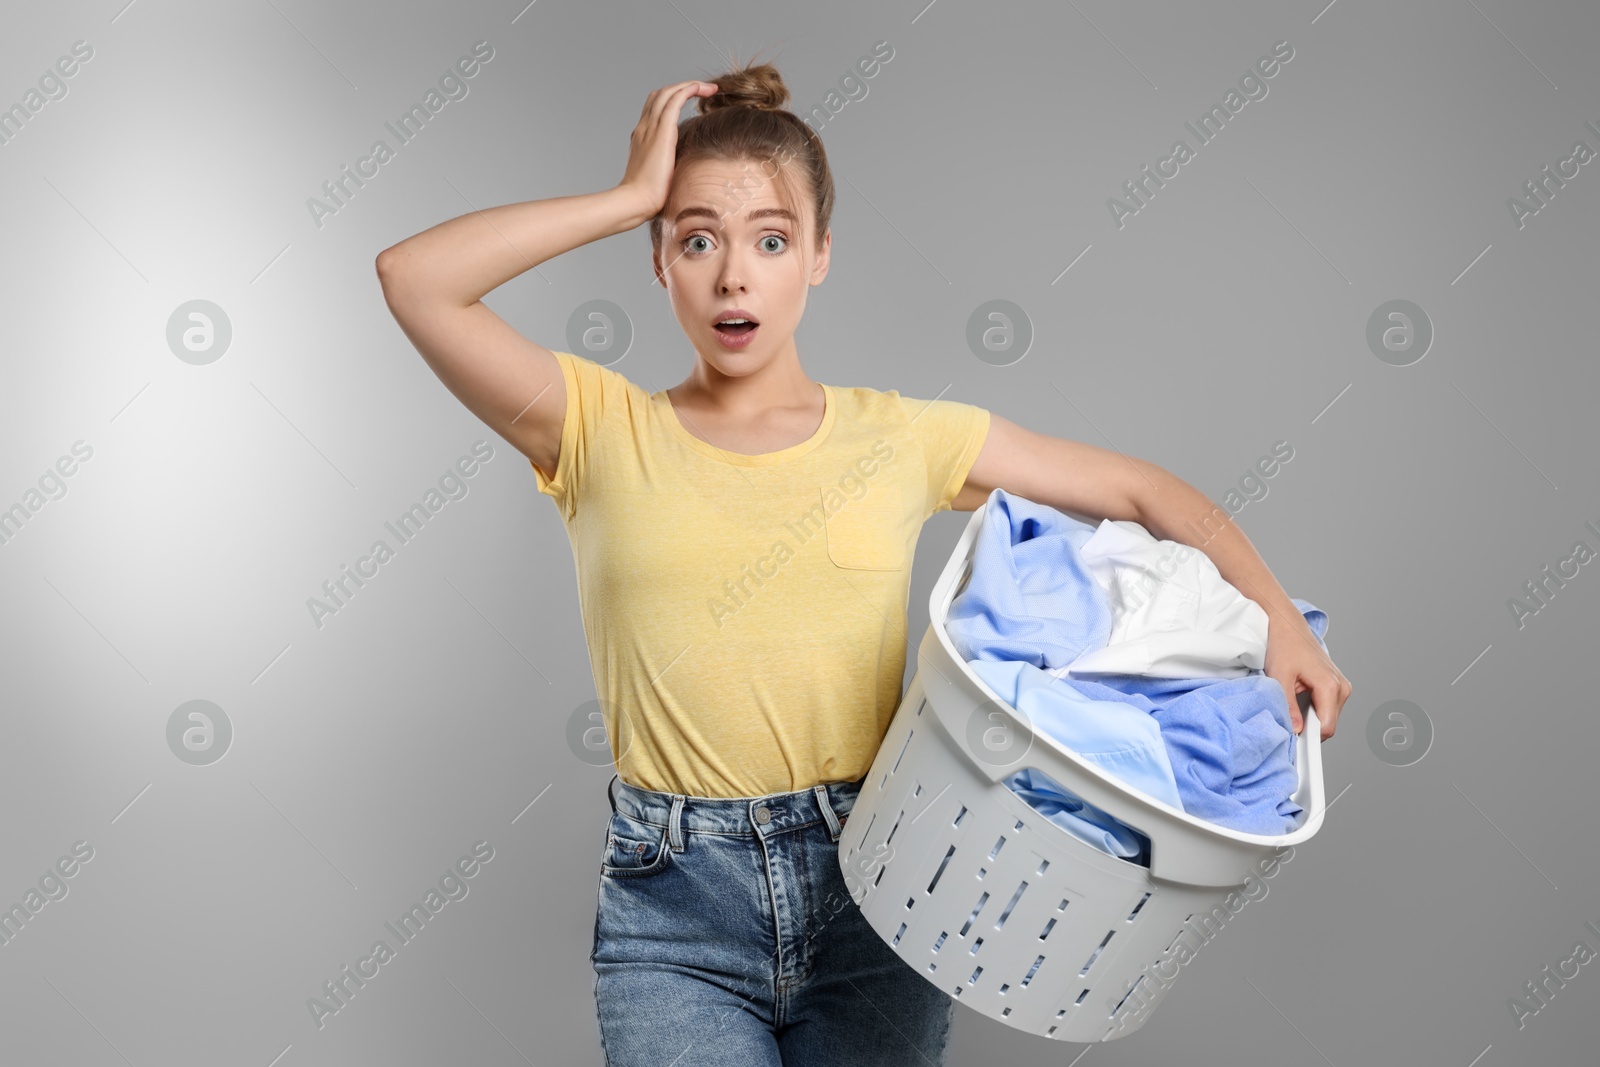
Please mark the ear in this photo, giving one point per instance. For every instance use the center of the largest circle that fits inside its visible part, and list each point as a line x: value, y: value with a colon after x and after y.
x: 819, y: 270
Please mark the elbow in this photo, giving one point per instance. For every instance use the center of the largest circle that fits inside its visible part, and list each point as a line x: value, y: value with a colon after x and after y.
x: 401, y: 278
x: 398, y: 278
x: 388, y: 265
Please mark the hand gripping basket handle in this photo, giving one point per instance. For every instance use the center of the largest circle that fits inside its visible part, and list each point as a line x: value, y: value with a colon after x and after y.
x: 1183, y: 848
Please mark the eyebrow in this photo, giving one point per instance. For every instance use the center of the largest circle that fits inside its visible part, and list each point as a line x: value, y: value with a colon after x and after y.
x: 701, y: 211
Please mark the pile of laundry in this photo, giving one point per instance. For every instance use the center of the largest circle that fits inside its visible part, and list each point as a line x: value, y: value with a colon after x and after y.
x: 1136, y: 654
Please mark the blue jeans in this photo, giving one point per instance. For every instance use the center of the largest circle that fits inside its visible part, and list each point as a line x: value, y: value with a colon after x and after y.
x: 725, y: 936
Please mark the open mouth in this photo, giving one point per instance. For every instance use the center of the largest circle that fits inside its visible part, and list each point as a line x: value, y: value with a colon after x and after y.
x: 736, y: 327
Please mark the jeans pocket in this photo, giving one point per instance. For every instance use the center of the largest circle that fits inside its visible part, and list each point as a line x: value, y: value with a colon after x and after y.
x: 634, y: 849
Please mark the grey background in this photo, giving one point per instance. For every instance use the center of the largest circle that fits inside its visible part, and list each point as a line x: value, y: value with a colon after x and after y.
x: 431, y: 712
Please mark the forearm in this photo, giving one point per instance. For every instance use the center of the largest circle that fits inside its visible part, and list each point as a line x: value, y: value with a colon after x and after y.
x: 1174, y: 510
x: 473, y: 254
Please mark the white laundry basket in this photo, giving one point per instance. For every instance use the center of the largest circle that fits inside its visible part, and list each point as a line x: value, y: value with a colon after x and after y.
x: 1004, y: 910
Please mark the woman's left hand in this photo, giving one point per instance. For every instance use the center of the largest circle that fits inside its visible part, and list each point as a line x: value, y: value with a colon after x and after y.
x: 1296, y: 661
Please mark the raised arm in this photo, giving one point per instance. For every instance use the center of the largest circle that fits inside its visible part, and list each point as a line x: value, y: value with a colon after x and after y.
x: 434, y: 283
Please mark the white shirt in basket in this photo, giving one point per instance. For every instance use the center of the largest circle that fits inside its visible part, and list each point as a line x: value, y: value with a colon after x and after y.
x: 1174, y: 615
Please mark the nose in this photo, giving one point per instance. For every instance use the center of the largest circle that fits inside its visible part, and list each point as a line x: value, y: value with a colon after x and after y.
x: 731, y: 276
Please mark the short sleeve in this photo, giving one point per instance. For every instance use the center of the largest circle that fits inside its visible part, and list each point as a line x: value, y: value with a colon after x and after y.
x: 592, y: 392
x: 951, y: 434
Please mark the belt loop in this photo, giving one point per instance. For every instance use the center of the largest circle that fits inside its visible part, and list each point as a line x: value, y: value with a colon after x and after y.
x: 674, y: 829
x: 611, y: 796
x: 827, y: 811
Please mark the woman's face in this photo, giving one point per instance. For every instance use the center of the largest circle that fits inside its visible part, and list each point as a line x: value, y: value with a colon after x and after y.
x: 728, y: 241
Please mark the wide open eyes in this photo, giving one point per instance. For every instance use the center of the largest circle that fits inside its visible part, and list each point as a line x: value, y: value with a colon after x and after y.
x: 705, y: 244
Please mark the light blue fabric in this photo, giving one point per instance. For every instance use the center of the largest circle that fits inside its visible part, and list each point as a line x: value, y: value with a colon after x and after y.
x: 1240, y: 715
x: 1229, y: 740
x: 1030, y: 596
x: 1030, y: 601
x: 1078, y: 817
x: 1124, y: 742
x: 1120, y: 739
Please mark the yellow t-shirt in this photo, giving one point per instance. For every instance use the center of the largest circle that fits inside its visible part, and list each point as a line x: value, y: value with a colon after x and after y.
x: 746, y: 615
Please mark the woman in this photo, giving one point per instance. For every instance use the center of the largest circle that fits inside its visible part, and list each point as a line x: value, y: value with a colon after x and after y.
x: 743, y: 544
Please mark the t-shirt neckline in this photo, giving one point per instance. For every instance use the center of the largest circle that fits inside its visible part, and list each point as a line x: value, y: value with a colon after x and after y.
x: 706, y: 448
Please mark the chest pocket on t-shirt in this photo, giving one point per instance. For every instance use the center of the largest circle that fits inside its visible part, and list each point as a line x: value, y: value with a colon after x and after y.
x: 867, y: 534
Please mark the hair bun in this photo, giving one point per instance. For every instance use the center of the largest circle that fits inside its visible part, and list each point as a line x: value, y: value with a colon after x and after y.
x: 757, y: 86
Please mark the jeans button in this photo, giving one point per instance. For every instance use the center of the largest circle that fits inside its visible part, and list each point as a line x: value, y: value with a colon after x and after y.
x: 763, y: 815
